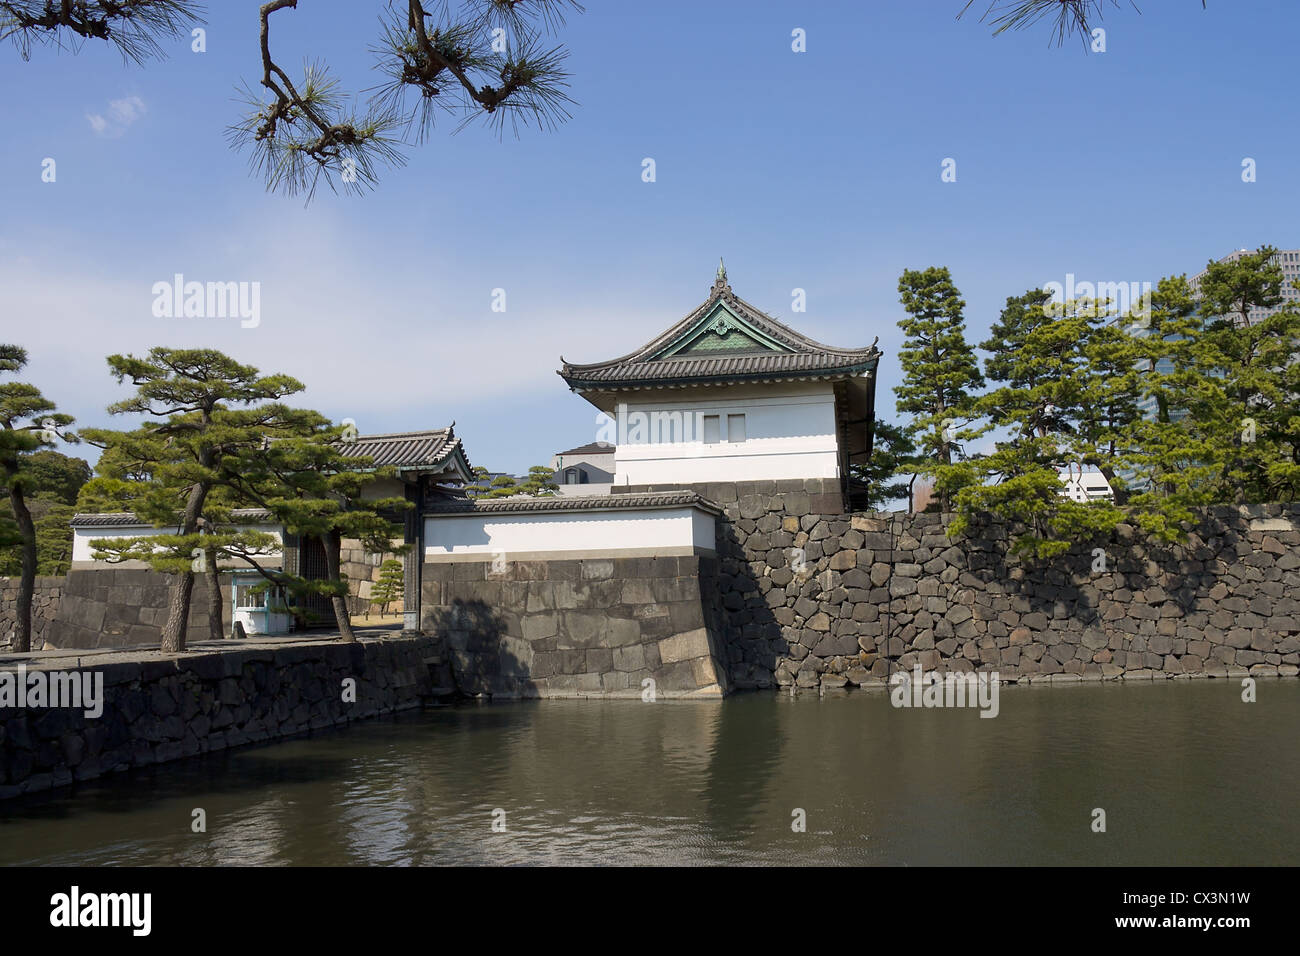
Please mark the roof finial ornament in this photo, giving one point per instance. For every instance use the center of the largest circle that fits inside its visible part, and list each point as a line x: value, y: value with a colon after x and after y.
x: 720, y: 277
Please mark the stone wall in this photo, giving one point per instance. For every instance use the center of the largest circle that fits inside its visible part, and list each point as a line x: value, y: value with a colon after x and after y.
x: 125, y: 607
x: 361, y: 568
x: 45, y: 606
x: 817, y: 599
x: 579, y: 628
x: 160, y: 709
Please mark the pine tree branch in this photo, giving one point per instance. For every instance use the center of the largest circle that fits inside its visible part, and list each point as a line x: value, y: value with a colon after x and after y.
x: 1071, y: 15
x: 135, y: 27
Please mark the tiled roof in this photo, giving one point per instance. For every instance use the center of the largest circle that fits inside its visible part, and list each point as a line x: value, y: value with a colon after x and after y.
x: 753, y: 365
x: 790, y: 355
x: 407, y: 450
x: 125, y: 519
x: 520, y: 504
x: 595, y: 448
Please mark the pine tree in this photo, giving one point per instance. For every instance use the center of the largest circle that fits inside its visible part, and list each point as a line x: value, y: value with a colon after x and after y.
x: 28, y: 423
x: 940, y: 374
x: 1070, y: 389
x: 390, y: 585
x: 539, y: 482
x: 486, y: 60
x: 55, y: 481
x: 1071, y: 16
x: 1224, y: 385
x: 1020, y: 316
x: 893, y: 455
x: 204, y: 410
x: 1248, y: 403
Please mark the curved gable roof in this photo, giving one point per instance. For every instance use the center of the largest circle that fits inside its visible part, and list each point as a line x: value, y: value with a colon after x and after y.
x: 433, y: 450
x: 725, y: 339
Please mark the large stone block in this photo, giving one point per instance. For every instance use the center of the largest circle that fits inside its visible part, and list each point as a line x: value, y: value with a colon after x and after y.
x: 684, y: 647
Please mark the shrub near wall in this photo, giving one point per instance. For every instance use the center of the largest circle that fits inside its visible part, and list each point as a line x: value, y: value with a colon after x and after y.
x: 884, y: 592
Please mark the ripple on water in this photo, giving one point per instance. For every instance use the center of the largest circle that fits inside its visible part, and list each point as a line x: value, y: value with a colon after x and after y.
x: 692, y: 783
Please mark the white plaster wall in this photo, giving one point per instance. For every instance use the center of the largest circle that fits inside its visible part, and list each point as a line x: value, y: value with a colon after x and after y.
x: 789, y: 433
x: 674, y: 530
x: 82, y: 552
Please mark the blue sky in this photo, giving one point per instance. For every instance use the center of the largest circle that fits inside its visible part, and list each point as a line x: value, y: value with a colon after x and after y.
x: 816, y: 170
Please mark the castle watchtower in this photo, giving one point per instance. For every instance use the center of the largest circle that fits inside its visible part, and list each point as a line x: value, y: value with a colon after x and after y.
x: 730, y: 395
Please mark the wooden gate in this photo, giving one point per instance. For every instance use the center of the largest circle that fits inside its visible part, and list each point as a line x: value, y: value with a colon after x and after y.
x: 316, y: 607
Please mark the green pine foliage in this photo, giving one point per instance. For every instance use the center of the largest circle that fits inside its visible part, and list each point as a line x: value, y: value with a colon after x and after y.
x: 313, y: 487
x: 204, y: 413
x: 940, y: 376
x: 29, y: 423
x: 54, y: 480
x: 390, y: 585
x: 539, y: 483
x: 1223, y: 386
x: 893, y: 455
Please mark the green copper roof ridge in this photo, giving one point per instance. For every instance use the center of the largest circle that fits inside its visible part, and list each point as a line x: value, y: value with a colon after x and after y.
x: 708, y: 321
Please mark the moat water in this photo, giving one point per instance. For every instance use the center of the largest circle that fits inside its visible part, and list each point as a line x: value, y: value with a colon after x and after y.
x: 1186, y: 772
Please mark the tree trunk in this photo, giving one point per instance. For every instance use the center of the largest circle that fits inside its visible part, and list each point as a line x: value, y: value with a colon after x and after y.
x: 212, y: 576
x: 178, y: 611
x: 333, y: 549
x: 178, y: 614
x: 27, y: 583
x: 1121, y: 496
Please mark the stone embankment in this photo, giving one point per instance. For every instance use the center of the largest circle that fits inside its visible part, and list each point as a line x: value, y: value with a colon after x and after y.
x: 818, y: 600
x: 155, y: 709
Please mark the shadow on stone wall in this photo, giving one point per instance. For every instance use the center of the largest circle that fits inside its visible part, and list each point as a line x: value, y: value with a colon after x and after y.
x: 752, y: 635
x: 484, y: 658
x: 125, y: 607
x: 883, y: 592
x: 579, y: 627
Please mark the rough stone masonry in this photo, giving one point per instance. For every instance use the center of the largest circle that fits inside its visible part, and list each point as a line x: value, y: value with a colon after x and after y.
x: 591, y: 627
x: 827, y: 599
x: 157, y: 709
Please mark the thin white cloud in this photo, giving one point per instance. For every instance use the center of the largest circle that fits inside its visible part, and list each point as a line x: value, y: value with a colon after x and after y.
x: 121, y: 114
x: 374, y: 338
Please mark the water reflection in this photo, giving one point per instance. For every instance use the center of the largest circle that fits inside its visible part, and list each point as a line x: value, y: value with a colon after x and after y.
x: 1186, y: 772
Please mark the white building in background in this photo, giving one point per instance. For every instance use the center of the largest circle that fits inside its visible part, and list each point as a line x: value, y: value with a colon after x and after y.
x: 586, y: 470
x: 1086, y: 486
x: 1288, y: 259
x: 730, y: 394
